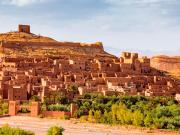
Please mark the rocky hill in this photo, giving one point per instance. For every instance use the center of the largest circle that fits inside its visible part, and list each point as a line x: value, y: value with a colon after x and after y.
x: 28, y: 44
x: 166, y: 63
x: 24, y: 37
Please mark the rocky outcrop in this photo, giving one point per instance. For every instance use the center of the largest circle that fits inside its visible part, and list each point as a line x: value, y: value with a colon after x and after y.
x: 166, y: 63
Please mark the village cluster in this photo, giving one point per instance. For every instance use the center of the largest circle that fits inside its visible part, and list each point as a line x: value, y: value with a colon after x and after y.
x: 22, y: 77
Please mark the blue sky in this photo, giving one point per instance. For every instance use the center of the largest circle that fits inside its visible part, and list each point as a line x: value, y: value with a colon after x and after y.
x: 144, y: 26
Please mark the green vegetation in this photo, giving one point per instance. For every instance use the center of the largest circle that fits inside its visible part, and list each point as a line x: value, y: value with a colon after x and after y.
x: 3, y: 108
x: 24, y: 108
x: 55, y: 130
x: 58, y: 107
x: 73, y: 89
x: 35, y: 98
x: 154, y: 112
x: 6, y: 130
x: 58, y: 101
x: 56, y: 98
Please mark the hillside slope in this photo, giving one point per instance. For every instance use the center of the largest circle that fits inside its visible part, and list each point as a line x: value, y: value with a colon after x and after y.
x: 28, y: 44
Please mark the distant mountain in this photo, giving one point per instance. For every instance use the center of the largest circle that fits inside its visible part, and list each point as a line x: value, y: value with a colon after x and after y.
x: 149, y: 53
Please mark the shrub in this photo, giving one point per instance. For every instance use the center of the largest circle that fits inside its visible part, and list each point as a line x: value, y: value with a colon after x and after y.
x: 97, y: 115
x: 3, y: 108
x: 84, y: 118
x: 24, y: 110
x: 35, y: 98
x: 138, y: 118
x: 148, y: 121
x: 55, y: 130
x: 6, y: 130
x: 90, y: 116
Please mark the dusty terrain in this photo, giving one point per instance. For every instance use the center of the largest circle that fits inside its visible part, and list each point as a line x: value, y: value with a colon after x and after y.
x: 39, y: 126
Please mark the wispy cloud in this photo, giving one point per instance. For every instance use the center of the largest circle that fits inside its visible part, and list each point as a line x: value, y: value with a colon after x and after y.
x: 144, y: 14
x: 21, y: 3
x: 129, y: 2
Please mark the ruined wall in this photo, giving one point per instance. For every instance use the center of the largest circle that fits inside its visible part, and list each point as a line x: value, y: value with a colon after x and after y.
x: 12, y: 48
x: 89, y: 47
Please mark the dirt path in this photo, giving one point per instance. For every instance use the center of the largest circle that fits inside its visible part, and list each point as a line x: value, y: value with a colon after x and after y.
x: 39, y: 126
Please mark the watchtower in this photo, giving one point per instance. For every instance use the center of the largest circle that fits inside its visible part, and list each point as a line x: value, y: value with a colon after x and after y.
x: 126, y: 55
x: 24, y: 28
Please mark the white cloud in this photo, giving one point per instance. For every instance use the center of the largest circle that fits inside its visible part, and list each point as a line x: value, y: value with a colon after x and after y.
x: 21, y: 3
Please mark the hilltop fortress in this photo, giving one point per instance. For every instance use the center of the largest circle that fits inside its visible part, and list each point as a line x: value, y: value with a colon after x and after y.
x: 23, y: 43
x: 36, y: 65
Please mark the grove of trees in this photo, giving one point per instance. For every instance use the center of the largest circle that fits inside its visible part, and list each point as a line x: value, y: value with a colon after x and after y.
x: 152, y: 112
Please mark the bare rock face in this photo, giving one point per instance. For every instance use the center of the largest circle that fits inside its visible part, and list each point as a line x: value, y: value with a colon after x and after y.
x: 165, y: 63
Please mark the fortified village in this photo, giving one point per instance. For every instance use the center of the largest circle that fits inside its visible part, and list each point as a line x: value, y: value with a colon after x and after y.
x: 35, y: 65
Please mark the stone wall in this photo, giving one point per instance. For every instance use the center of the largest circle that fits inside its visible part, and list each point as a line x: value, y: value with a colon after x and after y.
x: 15, y: 106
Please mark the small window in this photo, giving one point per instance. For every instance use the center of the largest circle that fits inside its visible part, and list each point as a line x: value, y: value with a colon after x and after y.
x: 108, y: 65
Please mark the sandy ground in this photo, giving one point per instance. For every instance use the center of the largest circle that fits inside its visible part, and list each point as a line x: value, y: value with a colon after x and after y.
x: 39, y: 126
